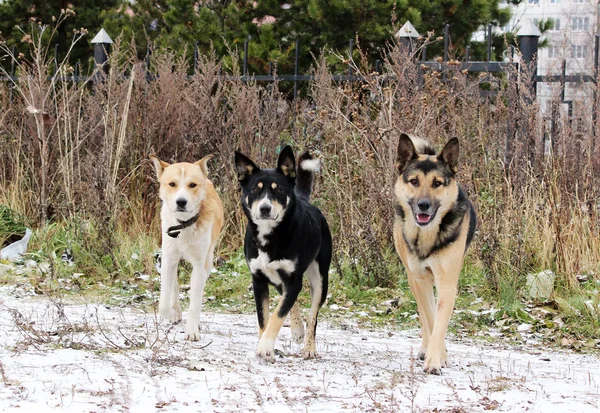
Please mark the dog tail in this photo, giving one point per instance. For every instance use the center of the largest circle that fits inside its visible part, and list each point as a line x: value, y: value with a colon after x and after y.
x: 307, y: 166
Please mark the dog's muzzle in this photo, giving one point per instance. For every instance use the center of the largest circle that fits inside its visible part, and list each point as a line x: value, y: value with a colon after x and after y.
x: 424, y: 212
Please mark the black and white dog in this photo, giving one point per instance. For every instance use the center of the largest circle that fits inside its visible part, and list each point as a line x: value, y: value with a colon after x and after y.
x: 286, y: 238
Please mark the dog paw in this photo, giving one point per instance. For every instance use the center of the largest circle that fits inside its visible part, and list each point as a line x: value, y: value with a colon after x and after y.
x: 309, y: 352
x: 434, y: 364
x: 192, y: 334
x: 298, y: 333
x: 433, y: 370
x: 170, y: 314
x: 265, y: 349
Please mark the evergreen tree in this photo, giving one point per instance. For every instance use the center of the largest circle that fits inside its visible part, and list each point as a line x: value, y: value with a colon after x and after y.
x: 17, y: 15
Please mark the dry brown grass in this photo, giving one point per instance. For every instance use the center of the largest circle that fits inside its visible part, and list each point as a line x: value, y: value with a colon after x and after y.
x: 85, y: 153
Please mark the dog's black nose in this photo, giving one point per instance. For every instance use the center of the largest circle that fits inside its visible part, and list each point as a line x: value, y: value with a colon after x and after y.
x: 181, y: 202
x: 424, y: 204
x: 265, y: 209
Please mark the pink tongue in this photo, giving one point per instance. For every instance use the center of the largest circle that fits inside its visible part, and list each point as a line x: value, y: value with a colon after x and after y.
x: 423, y: 218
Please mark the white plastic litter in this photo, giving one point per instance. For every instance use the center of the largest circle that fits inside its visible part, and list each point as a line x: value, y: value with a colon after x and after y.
x: 14, y: 251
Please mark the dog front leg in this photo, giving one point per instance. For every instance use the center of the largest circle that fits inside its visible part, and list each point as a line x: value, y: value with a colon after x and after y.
x: 197, y: 283
x: 168, y: 304
x: 421, y: 285
x: 446, y: 283
x: 260, y: 286
x: 266, y: 343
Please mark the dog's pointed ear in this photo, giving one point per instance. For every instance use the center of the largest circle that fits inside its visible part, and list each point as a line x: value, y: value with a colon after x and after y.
x: 202, y: 164
x: 286, y: 164
x: 244, y: 166
x: 406, y: 152
x: 159, y: 165
x: 449, y: 155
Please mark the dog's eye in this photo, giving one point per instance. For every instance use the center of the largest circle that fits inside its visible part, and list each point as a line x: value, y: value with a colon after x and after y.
x: 256, y: 189
x: 172, y: 184
x: 414, y: 182
x: 277, y: 190
x: 437, y: 184
x: 193, y: 185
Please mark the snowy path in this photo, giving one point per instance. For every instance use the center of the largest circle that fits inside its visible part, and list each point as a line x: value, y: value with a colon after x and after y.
x: 90, y: 358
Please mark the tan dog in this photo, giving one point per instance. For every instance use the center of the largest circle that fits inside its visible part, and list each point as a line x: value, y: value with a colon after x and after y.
x: 435, y: 223
x: 192, y: 219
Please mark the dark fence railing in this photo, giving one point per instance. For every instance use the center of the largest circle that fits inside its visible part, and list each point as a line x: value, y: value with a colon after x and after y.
x: 527, y: 37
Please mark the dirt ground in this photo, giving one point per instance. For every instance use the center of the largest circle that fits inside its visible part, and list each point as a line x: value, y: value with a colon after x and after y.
x: 57, y: 356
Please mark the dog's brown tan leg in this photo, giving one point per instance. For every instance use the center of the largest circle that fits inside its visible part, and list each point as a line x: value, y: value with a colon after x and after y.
x: 421, y: 285
x: 446, y: 283
x: 296, y: 323
x: 317, y: 295
x: 197, y: 284
x: 266, y: 344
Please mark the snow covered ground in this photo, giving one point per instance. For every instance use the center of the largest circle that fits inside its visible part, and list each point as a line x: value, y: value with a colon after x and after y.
x: 59, y: 356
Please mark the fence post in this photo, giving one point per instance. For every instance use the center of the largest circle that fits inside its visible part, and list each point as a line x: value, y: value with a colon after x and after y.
x: 55, y: 59
x: 489, y: 43
x: 102, y: 42
x: 245, y: 67
x: 595, y: 110
x: 296, y: 62
x: 408, y: 35
x: 350, y: 50
x: 195, y: 58
x: 528, y: 44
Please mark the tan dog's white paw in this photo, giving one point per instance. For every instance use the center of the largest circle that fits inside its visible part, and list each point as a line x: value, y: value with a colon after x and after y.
x: 309, y: 352
x: 433, y: 364
x: 265, y: 349
x: 298, y: 332
x: 170, y: 314
x: 192, y: 334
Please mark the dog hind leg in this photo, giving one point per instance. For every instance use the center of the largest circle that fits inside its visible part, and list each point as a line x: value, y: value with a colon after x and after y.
x: 296, y: 323
x: 318, y: 292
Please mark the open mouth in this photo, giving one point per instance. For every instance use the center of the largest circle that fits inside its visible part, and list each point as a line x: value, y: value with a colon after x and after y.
x: 423, y: 219
x: 268, y: 218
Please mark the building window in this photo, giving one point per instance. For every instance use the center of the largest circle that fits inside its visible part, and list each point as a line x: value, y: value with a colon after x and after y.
x: 579, y: 24
x: 579, y: 52
x: 552, y: 52
x: 554, y: 1
x: 533, y: 1
x: 556, y: 26
x: 579, y: 1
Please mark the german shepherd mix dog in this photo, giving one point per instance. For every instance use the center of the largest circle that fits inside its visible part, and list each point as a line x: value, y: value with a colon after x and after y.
x: 191, y: 218
x: 286, y: 237
x: 434, y: 225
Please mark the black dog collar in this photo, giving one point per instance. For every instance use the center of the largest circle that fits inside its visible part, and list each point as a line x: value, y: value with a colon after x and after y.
x: 175, y: 230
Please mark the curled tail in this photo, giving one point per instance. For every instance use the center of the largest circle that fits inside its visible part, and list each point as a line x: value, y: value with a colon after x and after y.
x: 307, y: 165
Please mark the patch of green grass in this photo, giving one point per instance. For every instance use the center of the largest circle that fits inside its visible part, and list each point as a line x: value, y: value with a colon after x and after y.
x: 12, y: 226
x: 125, y: 274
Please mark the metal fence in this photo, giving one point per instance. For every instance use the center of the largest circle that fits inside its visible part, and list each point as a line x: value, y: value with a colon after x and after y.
x: 527, y: 37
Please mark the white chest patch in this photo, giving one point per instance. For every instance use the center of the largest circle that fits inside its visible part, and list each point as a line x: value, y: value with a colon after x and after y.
x: 271, y: 268
x: 265, y: 228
